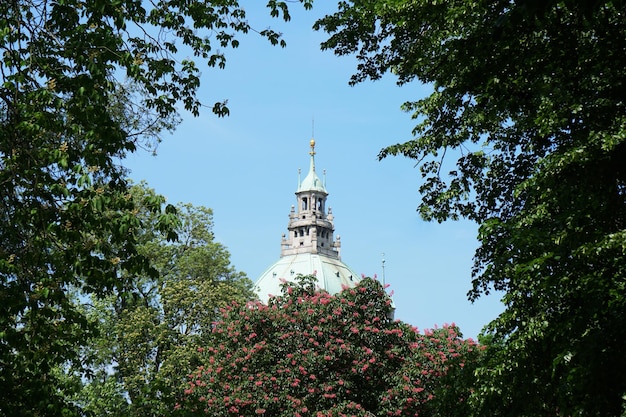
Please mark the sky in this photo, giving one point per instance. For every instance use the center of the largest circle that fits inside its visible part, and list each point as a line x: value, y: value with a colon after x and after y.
x: 245, y: 168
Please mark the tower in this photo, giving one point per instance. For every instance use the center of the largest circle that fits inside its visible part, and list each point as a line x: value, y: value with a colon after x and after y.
x: 309, y: 247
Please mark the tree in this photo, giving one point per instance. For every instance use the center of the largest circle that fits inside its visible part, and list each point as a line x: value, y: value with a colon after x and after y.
x: 528, y: 96
x: 149, y: 331
x: 66, y: 217
x: 310, y: 353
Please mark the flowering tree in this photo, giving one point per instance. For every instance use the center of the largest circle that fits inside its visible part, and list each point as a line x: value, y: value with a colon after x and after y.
x: 312, y: 353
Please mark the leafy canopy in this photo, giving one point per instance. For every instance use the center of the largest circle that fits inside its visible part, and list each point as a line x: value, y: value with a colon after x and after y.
x: 528, y: 100
x: 311, y: 353
x: 82, y: 84
x: 149, y: 331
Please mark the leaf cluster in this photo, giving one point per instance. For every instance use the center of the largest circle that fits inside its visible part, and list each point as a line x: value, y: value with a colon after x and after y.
x: 149, y: 329
x: 528, y: 102
x: 83, y: 83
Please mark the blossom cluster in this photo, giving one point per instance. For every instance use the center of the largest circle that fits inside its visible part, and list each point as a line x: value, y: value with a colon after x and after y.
x: 309, y: 353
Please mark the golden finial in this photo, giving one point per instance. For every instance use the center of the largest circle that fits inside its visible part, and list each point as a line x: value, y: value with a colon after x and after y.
x: 312, y: 143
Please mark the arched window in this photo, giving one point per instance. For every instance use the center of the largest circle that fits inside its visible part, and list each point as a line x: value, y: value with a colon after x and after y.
x: 305, y: 203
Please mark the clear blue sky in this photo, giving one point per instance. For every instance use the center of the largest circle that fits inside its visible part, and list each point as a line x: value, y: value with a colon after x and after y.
x: 245, y: 167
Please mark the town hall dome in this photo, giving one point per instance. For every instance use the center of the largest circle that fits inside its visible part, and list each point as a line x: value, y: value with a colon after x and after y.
x: 309, y: 247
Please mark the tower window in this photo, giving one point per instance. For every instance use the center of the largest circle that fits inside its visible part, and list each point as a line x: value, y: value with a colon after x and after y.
x: 305, y: 203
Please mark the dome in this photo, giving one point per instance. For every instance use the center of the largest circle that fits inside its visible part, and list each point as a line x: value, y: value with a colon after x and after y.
x: 331, y: 273
x: 312, y: 183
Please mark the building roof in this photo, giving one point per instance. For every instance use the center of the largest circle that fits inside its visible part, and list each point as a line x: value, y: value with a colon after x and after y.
x: 312, y: 182
x: 331, y: 273
x: 309, y: 247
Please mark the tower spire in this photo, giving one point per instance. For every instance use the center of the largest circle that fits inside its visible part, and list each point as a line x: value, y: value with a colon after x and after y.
x: 312, y: 153
x: 311, y: 226
x: 383, y: 261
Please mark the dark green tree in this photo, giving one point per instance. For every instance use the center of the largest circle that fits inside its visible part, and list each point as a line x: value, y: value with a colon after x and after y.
x: 528, y: 100
x: 150, y: 330
x: 82, y: 83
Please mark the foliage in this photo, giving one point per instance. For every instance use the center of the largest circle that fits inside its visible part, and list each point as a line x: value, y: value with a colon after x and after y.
x: 310, y: 353
x: 66, y: 119
x: 530, y: 97
x: 149, y: 331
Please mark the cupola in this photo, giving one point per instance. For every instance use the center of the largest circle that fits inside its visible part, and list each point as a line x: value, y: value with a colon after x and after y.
x: 309, y: 246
